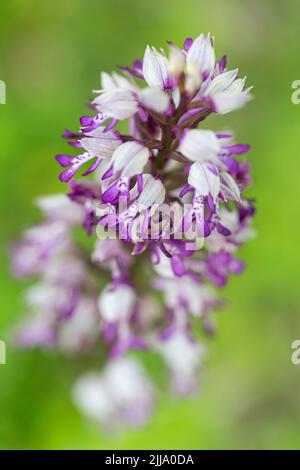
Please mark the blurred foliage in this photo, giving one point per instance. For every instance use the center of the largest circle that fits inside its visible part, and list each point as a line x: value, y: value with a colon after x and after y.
x: 51, y: 54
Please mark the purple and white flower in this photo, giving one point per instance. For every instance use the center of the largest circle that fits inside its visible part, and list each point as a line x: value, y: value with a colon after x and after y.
x: 142, y: 280
x: 122, y: 101
x: 121, y: 394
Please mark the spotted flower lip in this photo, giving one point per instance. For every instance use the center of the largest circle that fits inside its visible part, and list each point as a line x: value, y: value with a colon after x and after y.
x: 98, y: 145
x: 101, y: 144
x: 130, y: 158
x: 200, y: 145
x: 162, y: 203
x: 205, y: 179
x: 74, y: 163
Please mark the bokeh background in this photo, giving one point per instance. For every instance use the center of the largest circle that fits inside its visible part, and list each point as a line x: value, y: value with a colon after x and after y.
x: 51, y: 54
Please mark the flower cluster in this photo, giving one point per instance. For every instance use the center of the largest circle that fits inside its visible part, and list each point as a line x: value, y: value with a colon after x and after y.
x: 165, y: 211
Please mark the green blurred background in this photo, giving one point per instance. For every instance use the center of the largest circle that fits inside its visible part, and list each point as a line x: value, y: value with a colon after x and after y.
x: 51, y: 54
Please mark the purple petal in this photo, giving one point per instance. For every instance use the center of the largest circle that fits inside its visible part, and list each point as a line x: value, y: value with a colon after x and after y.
x: 137, y: 343
x: 139, y: 183
x: 238, y: 149
x: 64, y: 160
x: 224, y: 136
x: 114, y: 191
x: 111, y: 125
x: 218, y: 279
x: 185, y: 190
x: 138, y: 64
x: 187, y: 44
x: 139, y: 248
x: 107, y: 174
x: 236, y: 266
x: 223, y: 230
x: 223, y: 64
x: 164, y: 250
x: 231, y: 164
x: 86, y: 121
x: 178, y: 266
x: 75, y: 144
x: 93, y: 167
x: 67, y: 134
x: 65, y: 176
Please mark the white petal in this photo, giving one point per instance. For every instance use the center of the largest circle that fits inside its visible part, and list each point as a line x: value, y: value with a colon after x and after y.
x: 114, y: 395
x: 229, y: 187
x: 163, y: 268
x: 226, y: 102
x: 204, y: 180
x: 184, y: 289
x: 153, y: 192
x: 123, y: 82
x: 100, y: 144
x: 237, y: 86
x: 130, y: 158
x: 201, y: 56
x: 113, y: 81
x: 60, y: 207
x: 127, y: 381
x: 183, y: 357
x: 116, y: 304
x: 107, y: 81
x: 200, y: 145
x: 92, y: 398
x: 221, y: 82
x: 176, y: 96
x: 182, y: 354
x: 118, y: 103
x: 155, y: 99
x: 155, y: 68
x: 176, y: 61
